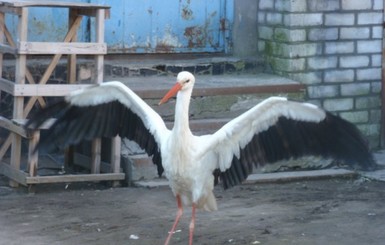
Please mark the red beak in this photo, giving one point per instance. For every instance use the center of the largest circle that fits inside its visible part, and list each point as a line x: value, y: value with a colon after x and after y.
x: 172, y: 92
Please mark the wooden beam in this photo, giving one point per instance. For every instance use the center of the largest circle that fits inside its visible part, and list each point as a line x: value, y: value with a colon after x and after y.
x: 7, y: 86
x: 62, y: 48
x: 11, y: 126
x: 16, y: 175
x: 47, y: 89
x: 74, y: 178
x: 5, y: 146
x: 6, y: 49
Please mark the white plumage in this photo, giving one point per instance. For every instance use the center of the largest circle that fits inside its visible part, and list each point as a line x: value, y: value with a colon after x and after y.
x: 273, y: 130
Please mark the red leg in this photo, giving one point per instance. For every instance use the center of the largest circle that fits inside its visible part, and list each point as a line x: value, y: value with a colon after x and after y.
x: 178, y: 215
x: 192, y: 224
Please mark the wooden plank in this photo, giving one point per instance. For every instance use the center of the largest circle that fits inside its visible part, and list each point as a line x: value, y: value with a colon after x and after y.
x: 5, y: 146
x: 96, y: 147
x: 10, y: 10
x: 7, y: 86
x: 47, y: 89
x: 99, y: 37
x: 71, y: 64
x: 115, y: 154
x: 16, y: 175
x: 63, y: 4
x: 74, y: 178
x: 18, y: 102
x: 11, y: 126
x: 62, y: 48
x: 6, y: 49
x: 33, y: 154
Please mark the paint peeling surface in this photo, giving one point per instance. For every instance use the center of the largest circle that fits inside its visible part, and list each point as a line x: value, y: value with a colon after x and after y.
x: 152, y: 26
x: 146, y: 26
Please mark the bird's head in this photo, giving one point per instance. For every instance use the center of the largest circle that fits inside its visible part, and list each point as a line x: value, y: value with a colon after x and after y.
x: 184, y: 81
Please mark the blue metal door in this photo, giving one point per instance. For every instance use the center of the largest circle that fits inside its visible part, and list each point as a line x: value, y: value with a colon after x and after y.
x: 145, y: 26
x: 154, y: 26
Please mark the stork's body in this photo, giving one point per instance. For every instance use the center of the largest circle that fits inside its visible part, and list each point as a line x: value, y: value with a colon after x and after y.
x: 273, y: 130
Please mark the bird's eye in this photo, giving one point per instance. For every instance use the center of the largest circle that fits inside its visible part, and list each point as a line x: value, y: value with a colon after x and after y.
x: 187, y: 81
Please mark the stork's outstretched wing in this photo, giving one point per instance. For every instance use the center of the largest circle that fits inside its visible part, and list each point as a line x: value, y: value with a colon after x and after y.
x: 105, y: 110
x: 278, y: 129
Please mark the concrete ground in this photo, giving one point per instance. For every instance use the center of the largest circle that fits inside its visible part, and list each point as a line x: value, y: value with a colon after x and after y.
x: 311, y: 207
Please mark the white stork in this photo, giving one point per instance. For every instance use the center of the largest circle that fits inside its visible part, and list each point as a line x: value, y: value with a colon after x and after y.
x: 273, y: 130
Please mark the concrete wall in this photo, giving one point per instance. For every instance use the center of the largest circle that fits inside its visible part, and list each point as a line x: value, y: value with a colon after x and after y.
x: 333, y: 46
x: 245, y: 29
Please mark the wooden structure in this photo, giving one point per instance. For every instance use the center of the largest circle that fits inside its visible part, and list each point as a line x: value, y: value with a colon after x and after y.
x: 25, y: 86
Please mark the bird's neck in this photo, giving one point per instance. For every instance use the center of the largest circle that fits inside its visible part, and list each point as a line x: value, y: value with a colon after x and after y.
x: 181, y: 121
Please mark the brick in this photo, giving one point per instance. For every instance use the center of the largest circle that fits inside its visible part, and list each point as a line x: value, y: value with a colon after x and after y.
x: 283, y: 34
x: 368, y: 102
x: 371, y: 46
x: 325, y: 91
x: 344, y: 104
x: 265, y: 32
x: 370, y: 129
x: 375, y: 116
x: 261, y: 17
x: 369, y: 74
x: 314, y: 77
x: 376, y: 87
x: 292, y: 5
x: 376, y: 60
x: 339, y: 47
x: 261, y: 46
x: 339, y: 19
x: 353, y: 89
x: 274, y: 18
x: 354, y: 32
x: 317, y: 5
x: 322, y: 62
x: 356, y: 116
x: 354, y: 61
x: 312, y: 19
x: 323, y: 34
x: 377, y: 31
x: 370, y: 18
x: 339, y: 76
x: 302, y: 50
x: 288, y: 65
x: 356, y: 4
x: 266, y: 4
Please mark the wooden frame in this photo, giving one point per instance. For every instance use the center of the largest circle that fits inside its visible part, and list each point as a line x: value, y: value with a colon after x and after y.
x: 36, y: 90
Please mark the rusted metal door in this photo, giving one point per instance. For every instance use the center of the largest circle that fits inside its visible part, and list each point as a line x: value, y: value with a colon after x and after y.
x: 172, y: 26
x: 145, y: 26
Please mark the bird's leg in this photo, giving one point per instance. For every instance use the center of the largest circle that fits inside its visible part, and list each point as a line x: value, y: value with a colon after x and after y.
x: 178, y: 215
x: 192, y: 224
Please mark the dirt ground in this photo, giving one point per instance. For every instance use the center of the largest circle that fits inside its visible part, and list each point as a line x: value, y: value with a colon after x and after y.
x: 332, y: 211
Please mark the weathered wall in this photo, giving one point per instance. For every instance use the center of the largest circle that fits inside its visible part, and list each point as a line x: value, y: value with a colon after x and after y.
x: 245, y: 28
x: 333, y: 46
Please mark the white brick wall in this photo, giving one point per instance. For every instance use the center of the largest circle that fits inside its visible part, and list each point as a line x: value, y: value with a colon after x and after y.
x: 332, y: 46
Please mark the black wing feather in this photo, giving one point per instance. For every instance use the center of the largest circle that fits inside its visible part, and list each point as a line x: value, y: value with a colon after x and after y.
x: 76, y: 123
x: 333, y: 137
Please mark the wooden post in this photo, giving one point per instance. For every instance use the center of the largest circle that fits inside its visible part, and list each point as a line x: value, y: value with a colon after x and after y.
x: 18, y: 104
x: 32, y: 154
